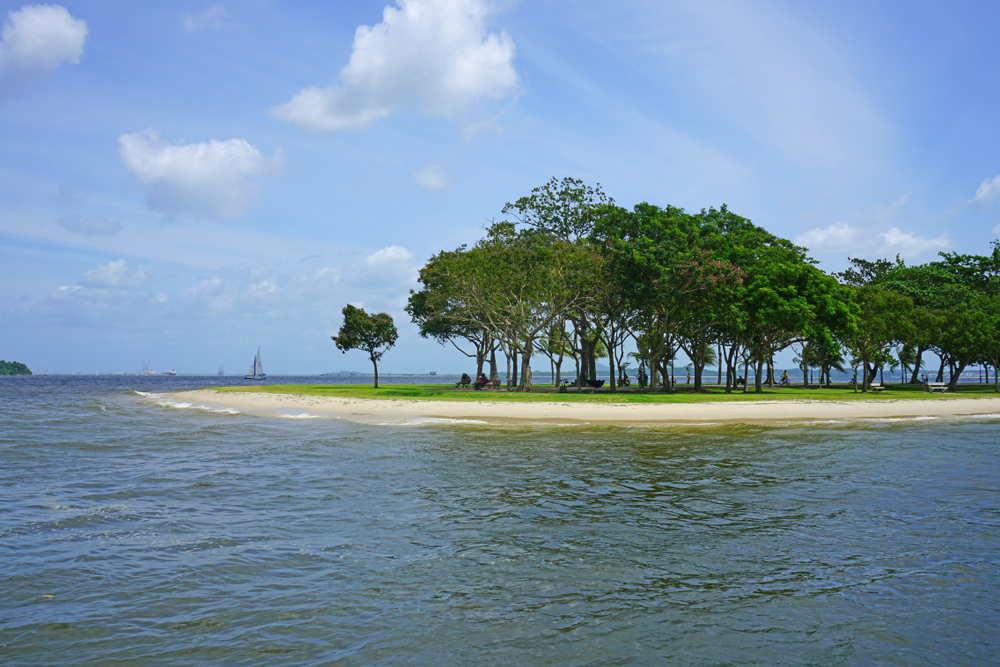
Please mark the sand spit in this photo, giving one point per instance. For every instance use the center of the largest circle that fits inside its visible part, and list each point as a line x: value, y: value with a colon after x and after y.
x: 606, y: 413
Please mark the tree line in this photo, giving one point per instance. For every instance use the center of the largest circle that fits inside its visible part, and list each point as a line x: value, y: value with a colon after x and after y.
x: 571, y: 275
x: 13, y: 368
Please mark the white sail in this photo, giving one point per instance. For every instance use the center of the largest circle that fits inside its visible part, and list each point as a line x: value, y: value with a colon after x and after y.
x: 256, y: 371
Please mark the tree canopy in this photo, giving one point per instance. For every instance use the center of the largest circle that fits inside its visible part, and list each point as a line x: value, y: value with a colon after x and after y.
x: 375, y: 334
x: 705, y: 283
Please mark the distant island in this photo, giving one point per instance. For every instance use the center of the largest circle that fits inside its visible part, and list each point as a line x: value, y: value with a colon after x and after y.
x: 343, y: 373
x: 13, y: 368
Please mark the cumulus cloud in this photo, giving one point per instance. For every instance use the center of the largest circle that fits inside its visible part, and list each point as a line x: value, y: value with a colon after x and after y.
x: 987, y: 193
x: 218, y: 178
x: 34, y: 41
x: 835, y: 237
x: 909, y: 244
x: 432, y: 178
x: 434, y: 54
x: 93, y: 225
x: 860, y: 242
x: 118, y: 274
x: 210, y: 17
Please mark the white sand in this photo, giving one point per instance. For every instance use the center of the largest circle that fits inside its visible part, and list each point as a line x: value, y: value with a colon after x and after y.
x: 591, y: 413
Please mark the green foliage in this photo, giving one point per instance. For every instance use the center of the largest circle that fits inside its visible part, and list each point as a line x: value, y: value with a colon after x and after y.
x: 13, y: 368
x: 375, y: 334
x: 673, y: 280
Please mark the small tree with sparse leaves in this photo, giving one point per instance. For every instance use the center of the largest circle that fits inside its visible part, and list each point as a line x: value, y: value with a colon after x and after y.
x: 374, y: 334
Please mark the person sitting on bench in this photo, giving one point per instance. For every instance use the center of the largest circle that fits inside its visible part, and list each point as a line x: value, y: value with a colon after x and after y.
x: 481, y: 382
x: 464, y: 382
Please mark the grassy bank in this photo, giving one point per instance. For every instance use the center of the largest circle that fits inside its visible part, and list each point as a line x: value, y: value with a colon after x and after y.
x: 439, y: 392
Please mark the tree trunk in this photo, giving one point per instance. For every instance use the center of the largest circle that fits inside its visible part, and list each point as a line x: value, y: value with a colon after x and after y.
x: 758, y: 380
x: 953, y: 382
x: 493, y: 363
x: 525, y: 385
x: 718, y: 359
x: 513, y: 380
x: 940, y: 375
x: 915, y: 379
x: 375, y: 364
x: 611, y: 368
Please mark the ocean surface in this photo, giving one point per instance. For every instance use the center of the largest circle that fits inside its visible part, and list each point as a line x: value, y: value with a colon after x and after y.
x: 137, y: 530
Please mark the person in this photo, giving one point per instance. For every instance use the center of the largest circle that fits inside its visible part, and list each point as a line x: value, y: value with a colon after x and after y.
x: 689, y: 378
x: 465, y: 381
x: 481, y: 381
x: 640, y: 377
x: 784, y: 377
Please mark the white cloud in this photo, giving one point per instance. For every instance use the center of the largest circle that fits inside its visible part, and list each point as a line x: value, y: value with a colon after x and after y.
x: 908, y: 244
x: 861, y: 243
x: 118, y: 274
x: 210, y: 17
x: 93, y: 225
x: 219, y: 178
x: 390, y: 255
x: 34, y: 41
x: 432, y: 178
x: 434, y: 54
x: 835, y: 237
x: 987, y: 192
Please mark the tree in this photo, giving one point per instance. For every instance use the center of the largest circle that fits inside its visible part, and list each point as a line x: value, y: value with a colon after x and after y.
x: 375, y: 334
x: 434, y: 311
x: 13, y: 368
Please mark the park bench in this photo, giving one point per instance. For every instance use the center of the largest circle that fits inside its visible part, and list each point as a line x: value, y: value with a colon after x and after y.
x: 937, y: 386
x: 876, y: 386
x: 495, y: 383
x: 463, y: 385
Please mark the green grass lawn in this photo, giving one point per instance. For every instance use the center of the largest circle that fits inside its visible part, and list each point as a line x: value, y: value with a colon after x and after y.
x: 447, y: 392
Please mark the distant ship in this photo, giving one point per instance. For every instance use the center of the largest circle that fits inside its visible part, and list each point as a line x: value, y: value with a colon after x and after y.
x: 146, y: 370
x: 222, y: 370
x: 256, y: 371
x: 170, y: 372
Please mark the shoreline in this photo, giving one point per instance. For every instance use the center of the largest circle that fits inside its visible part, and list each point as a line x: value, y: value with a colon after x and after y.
x: 608, y: 414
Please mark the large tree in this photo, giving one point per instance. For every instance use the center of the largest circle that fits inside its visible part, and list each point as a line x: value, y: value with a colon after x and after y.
x: 375, y: 334
x: 515, y: 284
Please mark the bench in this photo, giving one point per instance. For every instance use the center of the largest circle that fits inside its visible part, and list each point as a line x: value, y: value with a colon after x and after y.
x: 876, y: 386
x: 495, y: 383
x: 463, y: 385
x: 937, y: 386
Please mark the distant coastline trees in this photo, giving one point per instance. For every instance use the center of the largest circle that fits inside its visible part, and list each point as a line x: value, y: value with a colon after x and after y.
x: 13, y: 368
x: 573, y: 274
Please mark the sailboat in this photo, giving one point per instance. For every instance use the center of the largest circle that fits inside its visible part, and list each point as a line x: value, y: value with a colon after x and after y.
x: 256, y: 371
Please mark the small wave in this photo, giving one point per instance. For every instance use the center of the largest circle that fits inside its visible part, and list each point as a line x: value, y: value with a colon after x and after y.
x: 140, y: 393
x: 181, y: 405
x: 303, y: 415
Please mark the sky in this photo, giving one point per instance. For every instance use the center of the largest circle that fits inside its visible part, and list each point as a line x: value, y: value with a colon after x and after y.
x: 184, y: 182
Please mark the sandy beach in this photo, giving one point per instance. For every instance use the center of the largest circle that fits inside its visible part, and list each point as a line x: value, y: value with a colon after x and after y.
x: 590, y: 413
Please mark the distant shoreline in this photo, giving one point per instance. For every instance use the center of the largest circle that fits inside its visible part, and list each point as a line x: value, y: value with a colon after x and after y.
x: 556, y: 412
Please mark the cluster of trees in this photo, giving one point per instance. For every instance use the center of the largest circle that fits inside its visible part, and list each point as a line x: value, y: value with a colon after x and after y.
x: 572, y: 275
x: 13, y: 368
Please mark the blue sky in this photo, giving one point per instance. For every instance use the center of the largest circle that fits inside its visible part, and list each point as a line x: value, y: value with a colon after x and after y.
x: 184, y: 182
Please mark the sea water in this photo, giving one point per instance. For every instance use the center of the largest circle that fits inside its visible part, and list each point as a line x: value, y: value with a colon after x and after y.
x: 139, y: 530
